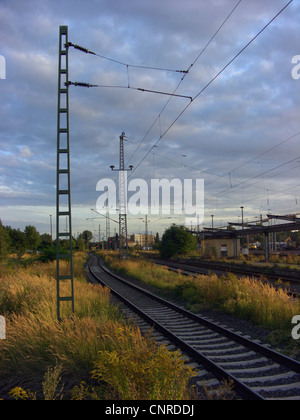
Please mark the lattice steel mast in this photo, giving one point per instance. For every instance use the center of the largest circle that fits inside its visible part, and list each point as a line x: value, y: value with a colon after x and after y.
x: 123, y: 239
x: 65, y: 280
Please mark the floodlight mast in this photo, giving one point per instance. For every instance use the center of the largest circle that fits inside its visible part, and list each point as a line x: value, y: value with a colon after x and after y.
x: 123, y: 233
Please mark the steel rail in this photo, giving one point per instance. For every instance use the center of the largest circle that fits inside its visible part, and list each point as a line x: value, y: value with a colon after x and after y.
x: 235, y: 270
x: 218, y: 371
x: 272, y: 354
x: 195, y: 268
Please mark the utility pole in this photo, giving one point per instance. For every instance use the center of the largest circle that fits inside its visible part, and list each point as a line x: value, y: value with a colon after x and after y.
x: 242, y: 208
x: 146, y: 231
x: 107, y: 230
x: 123, y: 239
x: 64, y: 275
x: 108, y: 219
x: 51, y: 230
x: 146, y: 221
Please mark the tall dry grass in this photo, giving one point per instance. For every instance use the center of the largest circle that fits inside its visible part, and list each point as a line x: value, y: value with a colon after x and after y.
x: 35, y: 339
x: 247, y: 298
x: 144, y: 271
x: 37, y: 343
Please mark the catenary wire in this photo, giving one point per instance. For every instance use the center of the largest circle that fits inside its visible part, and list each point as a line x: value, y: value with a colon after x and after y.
x: 225, y: 176
x: 88, y: 85
x: 188, y: 71
x: 256, y: 157
x: 210, y: 82
x: 254, y: 177
x: 85, y: 50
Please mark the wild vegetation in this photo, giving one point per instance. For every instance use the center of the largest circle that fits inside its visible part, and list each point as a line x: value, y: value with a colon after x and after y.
x: 177, y: 241
x: 246, y: 298
x: 94, y: 354
x: 17, y: 242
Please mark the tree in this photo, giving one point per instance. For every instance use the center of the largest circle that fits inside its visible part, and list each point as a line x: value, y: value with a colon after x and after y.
x: 87, y: 236
x: 4, y: 241
x: 18, y: 240
x: 46, y: 249
x: 157, y: 240
x: 80, y: 244
x: 177, y: 241
x: 48, y: 253
x: 46, y: 240
x: 156, y: 244
x: 32, y: 237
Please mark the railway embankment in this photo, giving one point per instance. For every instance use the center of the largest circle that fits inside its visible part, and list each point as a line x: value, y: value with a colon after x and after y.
x: 247, y: 267
x: 245, y: 302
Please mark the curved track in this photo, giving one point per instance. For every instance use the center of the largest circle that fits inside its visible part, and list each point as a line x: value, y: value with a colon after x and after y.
x: 257, y: 372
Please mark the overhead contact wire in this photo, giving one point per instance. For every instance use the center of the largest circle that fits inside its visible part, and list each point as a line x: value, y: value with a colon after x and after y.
x: 212, y: 80
x: 85, y: 50
x: 183, y: 78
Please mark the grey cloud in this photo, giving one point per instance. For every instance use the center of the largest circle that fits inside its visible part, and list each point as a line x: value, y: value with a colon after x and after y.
x: 250, y: 108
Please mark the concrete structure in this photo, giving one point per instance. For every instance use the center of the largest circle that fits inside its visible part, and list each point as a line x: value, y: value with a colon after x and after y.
x: 248, y: 231
x: 219, y: 248
x: 143, y: 241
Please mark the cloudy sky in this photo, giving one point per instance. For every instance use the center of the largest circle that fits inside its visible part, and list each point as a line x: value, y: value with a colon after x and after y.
x: 241, y: 134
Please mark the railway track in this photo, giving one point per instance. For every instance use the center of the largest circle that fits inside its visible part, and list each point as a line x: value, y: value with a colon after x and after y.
x: 257, y: 372
x: 190, y: 268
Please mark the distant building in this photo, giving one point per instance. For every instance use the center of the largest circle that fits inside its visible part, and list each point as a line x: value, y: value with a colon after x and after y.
x: 133, y: 240
x: 221, y: 248
x: 141, y: 240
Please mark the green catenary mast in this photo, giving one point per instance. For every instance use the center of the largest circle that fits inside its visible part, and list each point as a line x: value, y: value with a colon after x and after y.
x: 63, y: 190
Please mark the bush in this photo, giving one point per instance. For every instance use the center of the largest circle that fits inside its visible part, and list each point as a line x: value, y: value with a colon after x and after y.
x: 177, y: 241
x: 144, y: 371
x: 47, y: 254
